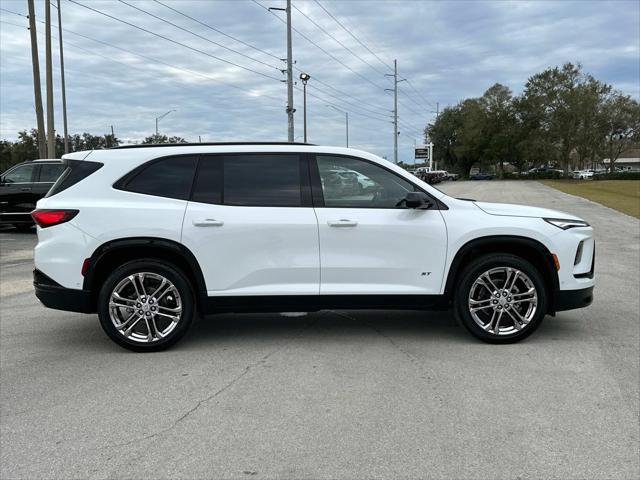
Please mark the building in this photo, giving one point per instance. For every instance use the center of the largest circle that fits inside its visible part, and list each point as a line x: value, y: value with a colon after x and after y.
x: 628, y: 160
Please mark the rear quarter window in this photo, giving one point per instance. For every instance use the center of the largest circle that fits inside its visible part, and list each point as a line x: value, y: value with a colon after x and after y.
x: 169, y: 177
x: 74, y: 172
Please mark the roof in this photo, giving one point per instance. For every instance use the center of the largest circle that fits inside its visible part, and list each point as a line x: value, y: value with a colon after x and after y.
x: 199, y: 144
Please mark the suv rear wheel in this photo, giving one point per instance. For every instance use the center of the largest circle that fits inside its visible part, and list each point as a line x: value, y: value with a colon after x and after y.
x: 146, y: 305
x: 501, y: 299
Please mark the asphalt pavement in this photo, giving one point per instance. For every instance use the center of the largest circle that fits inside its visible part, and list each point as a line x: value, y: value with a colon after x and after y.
x: 333, y: 394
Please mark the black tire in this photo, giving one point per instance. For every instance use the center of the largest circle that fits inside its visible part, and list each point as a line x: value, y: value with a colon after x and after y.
x: 473, y: 272
x: 169, y: 272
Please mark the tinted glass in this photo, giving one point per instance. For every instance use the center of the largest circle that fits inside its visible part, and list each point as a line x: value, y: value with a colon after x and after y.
x: 169, y: 177
x: 271, y: 180
x: 208, y: 184
x: 49, y: 172
x: 352, y: 183
x: 75, y: 171
x: 21, y: 174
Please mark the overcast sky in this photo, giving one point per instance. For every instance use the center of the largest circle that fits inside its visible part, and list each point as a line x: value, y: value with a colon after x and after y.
x: 447, y: 50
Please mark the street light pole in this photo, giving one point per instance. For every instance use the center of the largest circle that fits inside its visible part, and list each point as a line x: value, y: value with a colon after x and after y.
x: 160, y: 118
x: 346, y: 120
x: 305, y: 78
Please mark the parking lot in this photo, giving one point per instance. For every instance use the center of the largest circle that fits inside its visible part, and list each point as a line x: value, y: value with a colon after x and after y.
x: 333, y: 394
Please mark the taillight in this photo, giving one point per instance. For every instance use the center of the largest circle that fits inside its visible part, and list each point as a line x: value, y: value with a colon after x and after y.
x: 49, y: 218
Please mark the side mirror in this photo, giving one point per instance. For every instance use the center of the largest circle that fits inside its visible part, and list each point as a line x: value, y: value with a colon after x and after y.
x: 419, y: 200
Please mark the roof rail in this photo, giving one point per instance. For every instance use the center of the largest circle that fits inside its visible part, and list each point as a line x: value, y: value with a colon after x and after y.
x: 206, y: 144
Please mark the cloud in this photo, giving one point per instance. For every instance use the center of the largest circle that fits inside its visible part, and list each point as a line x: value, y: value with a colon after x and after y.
x: 447, y: 50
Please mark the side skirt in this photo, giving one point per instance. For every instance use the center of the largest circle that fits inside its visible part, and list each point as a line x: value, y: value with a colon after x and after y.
x: 313, y: 303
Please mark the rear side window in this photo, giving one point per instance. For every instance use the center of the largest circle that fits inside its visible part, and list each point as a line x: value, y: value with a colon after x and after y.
x: 49, y: 172
x: 75, y: 171
x: 255, y: 179
x: 170, y: 177
x: 19, y: 174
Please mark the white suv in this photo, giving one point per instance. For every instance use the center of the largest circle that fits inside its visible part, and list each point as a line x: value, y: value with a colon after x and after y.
x: 150, y: 236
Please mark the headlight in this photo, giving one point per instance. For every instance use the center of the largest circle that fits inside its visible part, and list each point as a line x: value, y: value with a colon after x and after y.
x: 565, y: 224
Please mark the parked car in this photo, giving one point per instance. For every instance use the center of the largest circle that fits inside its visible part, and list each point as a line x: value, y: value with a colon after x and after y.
x: 583, y: 174
x: 482, y: 176
x: 150, y: 236
x: 452, y: 177
x: 21, y: 186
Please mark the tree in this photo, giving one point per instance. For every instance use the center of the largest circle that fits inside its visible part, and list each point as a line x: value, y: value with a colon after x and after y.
x: 620, y: 126
x: 500, y: 127
x: 160, y: 139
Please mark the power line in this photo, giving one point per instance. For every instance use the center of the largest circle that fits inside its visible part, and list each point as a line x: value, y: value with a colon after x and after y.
x: 419, y: 94
x: 351, y: 104
x: 199, y: 36
x: 220, y: 31
x: 175, y: 41
x: 319, y: 47
x: 155, y: 60
x: 332, y: 37
x: 351, y: 33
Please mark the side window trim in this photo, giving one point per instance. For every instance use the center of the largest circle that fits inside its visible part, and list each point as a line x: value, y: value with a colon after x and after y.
x: 305, y: 160
x: 316, y: 183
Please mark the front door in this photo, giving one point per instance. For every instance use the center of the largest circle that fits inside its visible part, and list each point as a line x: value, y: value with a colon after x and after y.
x: 369, y: 242
x: 251, y: 225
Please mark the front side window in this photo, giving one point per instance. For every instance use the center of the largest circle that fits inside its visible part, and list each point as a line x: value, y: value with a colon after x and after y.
x: 353, y: 183
x: 49, y: 172
x: 168, y: 177
x: 21, y: 174
x: 253, y: 179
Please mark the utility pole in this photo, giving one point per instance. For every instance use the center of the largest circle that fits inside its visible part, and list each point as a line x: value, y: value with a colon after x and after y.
x: 290, y: 108
x: 437, y: 109
x: 395, y: 111
x: 64, y: 93
x: 395, y: 108
x: 42, y: 142
x: 51, y: 136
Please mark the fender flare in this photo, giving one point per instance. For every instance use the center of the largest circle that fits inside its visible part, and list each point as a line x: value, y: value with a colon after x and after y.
x: 515, y: 242
x: 167, y: 245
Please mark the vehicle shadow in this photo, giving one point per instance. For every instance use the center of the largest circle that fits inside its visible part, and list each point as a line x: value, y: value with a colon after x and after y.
x: 324, y: 325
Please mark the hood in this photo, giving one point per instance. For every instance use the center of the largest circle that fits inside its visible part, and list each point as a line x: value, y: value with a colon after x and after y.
x: 511, y: 210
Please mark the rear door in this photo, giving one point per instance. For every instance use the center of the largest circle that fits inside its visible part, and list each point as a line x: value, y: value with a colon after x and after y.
x: 251, y: 225
x: 369, y: 242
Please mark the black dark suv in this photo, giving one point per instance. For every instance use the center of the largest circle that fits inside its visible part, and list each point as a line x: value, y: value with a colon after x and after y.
x: 22, y: 186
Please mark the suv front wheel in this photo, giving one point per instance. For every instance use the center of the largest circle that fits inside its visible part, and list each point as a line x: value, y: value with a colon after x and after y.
x: 501, y: 298
x: 146, y: 305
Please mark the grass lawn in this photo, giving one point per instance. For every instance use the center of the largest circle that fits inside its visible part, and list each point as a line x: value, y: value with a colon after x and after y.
x: 623, y: 195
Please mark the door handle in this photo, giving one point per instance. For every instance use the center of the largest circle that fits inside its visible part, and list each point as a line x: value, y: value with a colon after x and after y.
x: 343, y: 222
x: 25, y: 189
x: 208, y: 222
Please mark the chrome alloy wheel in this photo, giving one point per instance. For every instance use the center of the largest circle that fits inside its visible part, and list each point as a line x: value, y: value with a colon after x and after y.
x: 503, y: 300
x: 145, y: 307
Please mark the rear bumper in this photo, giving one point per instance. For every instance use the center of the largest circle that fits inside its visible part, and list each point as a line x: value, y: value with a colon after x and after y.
x: 53, y: 295
x: 571, y: 299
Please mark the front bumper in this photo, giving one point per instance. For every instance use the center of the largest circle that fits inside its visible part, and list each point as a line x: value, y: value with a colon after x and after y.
x: 53, y: 295
x: 571, y: 299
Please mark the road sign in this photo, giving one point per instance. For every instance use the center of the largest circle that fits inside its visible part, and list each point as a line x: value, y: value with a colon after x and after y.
x: 422, y: 152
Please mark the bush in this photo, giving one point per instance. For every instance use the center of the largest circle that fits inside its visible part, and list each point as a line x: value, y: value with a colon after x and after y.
x: 551, y: 175
x: 618, y: 176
